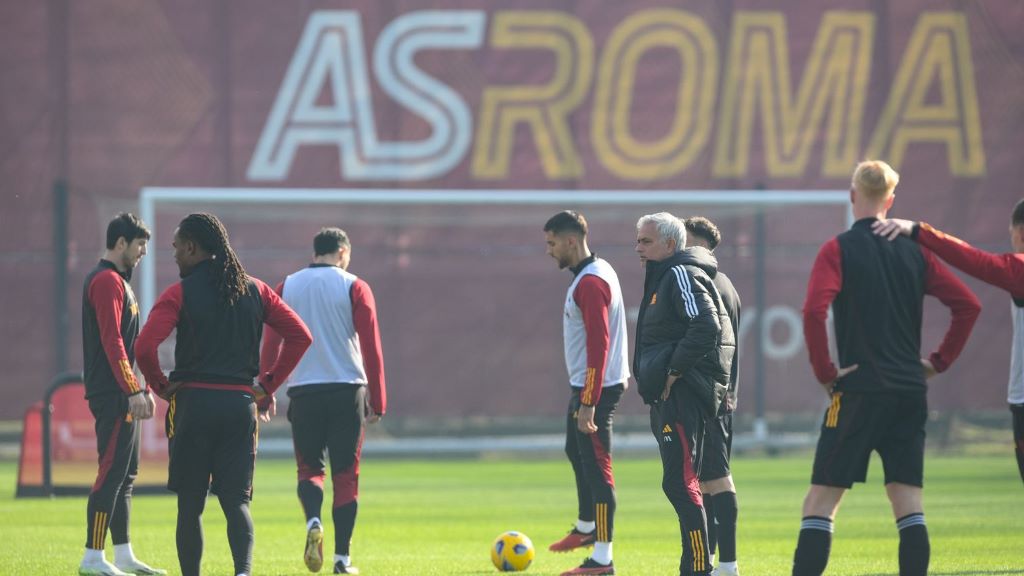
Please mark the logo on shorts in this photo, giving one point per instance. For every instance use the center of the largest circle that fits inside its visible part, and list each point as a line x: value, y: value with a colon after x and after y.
x: 666, y: 433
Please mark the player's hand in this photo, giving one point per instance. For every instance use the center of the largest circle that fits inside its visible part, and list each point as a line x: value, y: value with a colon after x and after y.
x: 267, y: 408
x: 585, y: 420
x: 258, y: 391
x: 669, y: 381
x: 929, y: 368
x: 138, y: 407
x: 831, y: 386
x: 150, y: 403
x: 168, y: 392
x: 893, y: 227
x: 373, y: 418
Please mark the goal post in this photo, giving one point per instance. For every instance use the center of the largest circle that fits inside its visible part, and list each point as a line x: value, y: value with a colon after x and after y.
x: 766, y: 215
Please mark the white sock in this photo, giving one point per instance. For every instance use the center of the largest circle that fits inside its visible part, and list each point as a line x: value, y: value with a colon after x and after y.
x: 93, y: 556
x: 602, y: 552
x: 123, y: 553
x: 712, y: 563
x: 731, y: 566
x: 585, y: 527
x: 345, y: 560
x: 312, y: 521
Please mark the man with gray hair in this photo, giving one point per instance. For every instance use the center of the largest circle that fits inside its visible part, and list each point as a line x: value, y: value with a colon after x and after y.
x: 684, y: 349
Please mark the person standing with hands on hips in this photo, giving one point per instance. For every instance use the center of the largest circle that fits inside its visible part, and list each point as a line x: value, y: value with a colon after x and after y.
x: 219, y: 312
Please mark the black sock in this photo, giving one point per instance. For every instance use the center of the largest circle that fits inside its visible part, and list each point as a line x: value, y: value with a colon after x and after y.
x: 311, y: 496
x: 726, y: 510
x: 709, y: 510
x: 813, y: 547
x: 344, y: 525
x: 190, y: 532
x: 914, y: 547
x: 240, y: 532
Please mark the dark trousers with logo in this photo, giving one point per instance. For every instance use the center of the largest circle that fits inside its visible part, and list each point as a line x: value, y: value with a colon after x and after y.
x: 117, y: 441
x: 678, y: 425
x: 591, y: 459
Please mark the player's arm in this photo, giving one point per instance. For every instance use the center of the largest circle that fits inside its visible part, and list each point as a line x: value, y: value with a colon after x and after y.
x: 364, y: 317
x: 106, y: 295
x: 693, y: 302
x: 1005, y: 271
x: 163, y: 318
x: 962, y: 303
x: 824, y: 285
x: 270, y: 349
x: 594, y: 297
x: 283, y: 320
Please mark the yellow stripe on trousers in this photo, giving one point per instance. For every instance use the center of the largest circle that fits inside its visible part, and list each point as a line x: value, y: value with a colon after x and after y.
x: 832, y: 416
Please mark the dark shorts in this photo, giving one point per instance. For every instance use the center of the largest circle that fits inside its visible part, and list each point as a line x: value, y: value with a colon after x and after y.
x: 212, y: 438
x: 717, y: 448
x: 855, y: 424
x: 328, y: 420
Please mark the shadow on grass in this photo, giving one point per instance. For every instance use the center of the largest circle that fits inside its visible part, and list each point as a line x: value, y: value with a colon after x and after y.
x: 997, y: 572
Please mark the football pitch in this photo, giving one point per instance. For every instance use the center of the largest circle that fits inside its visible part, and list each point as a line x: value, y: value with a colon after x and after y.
x: 424, y: 517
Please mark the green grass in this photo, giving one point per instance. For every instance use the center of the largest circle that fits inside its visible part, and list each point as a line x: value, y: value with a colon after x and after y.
x: 439, y: 517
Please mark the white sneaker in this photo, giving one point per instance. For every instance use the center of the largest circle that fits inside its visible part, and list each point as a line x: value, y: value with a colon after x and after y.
x: 100, y: 568
x: 140, y: 568
x: 314, y: 554
x: 721, y: 571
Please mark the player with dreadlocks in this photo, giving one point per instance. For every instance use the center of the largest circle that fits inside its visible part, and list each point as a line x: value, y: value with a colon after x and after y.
x: 219, y: 312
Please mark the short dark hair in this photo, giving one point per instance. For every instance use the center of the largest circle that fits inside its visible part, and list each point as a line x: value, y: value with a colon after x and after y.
x: 567, y: 221
x: 329, y: 241
x: 1018, y: 213
x: 128, y: 226
x: 701, y: 227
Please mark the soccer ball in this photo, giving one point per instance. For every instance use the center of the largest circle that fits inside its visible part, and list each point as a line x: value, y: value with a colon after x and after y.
x: 512, y: 552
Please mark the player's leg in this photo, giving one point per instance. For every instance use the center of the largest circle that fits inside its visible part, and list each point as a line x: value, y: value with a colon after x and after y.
x: 902, y: 453
x: 234, y: 462
x: 190, y: 424
x: 719, y: 493
x: 114, y: 442
x: 582, y: 533
x: 595, y: 454
x: 680, y: 442
x: 1018, y: 435
x: 189, y: 530
x: 345, y: 431
x: 841, y: 458
x: 120, y: 520
x: 308, y: 415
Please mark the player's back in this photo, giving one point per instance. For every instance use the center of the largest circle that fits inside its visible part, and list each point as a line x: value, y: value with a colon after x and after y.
x: 878, y: 311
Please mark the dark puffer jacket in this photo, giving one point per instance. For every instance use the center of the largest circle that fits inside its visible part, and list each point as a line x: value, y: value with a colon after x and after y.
x: 683, y: 325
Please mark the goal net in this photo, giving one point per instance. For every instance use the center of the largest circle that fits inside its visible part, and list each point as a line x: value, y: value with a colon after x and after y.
x: 470, y: 305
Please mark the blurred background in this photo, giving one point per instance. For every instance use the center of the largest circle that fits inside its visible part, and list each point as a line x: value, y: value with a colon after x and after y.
x: 230, y: 106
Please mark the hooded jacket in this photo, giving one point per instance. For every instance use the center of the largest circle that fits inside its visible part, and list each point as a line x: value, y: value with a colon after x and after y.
x: 683, y: 325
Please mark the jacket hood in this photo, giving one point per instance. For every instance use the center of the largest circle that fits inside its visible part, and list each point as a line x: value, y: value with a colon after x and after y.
x: 694, y: 256
x: 702, y: 258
